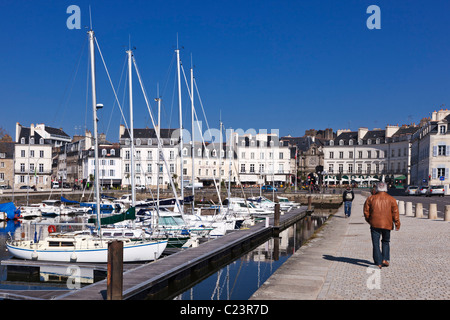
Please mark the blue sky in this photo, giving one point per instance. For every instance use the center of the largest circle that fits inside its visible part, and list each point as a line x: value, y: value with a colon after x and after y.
x: 287, y: 65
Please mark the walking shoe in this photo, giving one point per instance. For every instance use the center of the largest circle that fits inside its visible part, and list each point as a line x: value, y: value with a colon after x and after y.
x: 385, y: 263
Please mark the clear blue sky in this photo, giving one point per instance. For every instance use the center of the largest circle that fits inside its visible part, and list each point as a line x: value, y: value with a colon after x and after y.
x: 287, y: 65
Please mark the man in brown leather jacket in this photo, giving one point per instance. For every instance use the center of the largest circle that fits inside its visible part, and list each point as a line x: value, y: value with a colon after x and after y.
x: 381, y: 212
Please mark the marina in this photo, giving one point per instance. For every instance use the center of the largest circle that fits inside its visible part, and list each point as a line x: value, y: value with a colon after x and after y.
x: 168, y: 276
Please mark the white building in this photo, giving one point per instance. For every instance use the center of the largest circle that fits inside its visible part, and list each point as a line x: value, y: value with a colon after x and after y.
x: 33, y: 155
x: 430, y: 162
x: 367, y: 156
x: 110, y: 166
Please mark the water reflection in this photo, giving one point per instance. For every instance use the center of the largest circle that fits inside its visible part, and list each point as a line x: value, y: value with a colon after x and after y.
x: 241, y: 278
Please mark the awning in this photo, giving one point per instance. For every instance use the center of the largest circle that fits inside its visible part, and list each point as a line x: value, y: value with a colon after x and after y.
x: 400, y: 177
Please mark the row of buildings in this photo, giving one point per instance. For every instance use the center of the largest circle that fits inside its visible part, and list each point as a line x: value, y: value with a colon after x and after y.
x: 407, y: 154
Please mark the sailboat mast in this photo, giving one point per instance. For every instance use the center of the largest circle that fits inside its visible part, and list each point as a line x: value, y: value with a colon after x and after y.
x: 159, y: 154
x: 192, y: 139
x: 130, y: 84
x: 181, y: 129
x: 94, y: 113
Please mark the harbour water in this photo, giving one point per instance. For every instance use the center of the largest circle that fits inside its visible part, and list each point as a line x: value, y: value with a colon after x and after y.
x: 238, y: 280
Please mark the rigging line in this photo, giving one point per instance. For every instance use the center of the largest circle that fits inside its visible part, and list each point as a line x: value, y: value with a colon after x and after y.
x: 201, y: 134
x: 74, y: 70
x: 114, y: 104
x: 157, y: 136
x: 107, y: 72
x: 207, y: 125
x: 87, y: 97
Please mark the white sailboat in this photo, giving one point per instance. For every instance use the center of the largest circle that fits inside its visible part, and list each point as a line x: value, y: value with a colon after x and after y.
x: 82, y: 247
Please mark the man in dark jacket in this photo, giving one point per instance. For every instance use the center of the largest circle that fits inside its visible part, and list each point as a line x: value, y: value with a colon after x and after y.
x: 381, y: 212
x: 348, y: 197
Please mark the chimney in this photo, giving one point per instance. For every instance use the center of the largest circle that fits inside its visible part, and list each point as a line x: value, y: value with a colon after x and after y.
x: 18, y: 129
x: 390, y: 130
x: 362, y: 132
x: 121, y: 130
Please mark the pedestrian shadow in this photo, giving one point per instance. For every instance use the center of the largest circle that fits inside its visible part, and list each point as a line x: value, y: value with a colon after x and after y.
x: 358, y: 262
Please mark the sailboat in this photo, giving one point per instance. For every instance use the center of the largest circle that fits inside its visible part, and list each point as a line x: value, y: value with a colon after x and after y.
x: 86, y: 246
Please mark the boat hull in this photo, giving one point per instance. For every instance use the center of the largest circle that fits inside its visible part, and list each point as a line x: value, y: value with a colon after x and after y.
x: 132, y: 252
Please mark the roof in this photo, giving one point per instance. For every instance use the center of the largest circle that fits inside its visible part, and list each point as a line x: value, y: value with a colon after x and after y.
x: 148, y: 133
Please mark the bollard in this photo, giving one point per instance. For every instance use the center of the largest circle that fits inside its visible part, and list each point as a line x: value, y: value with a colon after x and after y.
x: 432, y: 211
x: 309, y: 203
x: 401, y: 207
x: 408, y: 209
x: 267, y: 222
x: 447, y: 213
x: 114, y: 284
x: 419, y: 210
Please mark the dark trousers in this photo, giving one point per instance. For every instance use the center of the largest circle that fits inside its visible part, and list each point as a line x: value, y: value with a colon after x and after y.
x: 384, y: 253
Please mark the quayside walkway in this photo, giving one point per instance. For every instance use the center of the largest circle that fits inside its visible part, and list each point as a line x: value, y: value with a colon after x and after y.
x: 337, y: 263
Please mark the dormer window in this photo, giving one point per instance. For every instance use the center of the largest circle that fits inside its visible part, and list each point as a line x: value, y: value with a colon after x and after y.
x: 378, y: 141
x: 138, y: 142
x: 149, y: 142
x: 127, y: 141
x: 442, y: 129
x: 32, y: 140
x: 103, y: 152
x: 350, y: 142
x: 341, y: 142
x: 22, y: 140
x: 41, y: 141
x: 113, y: 152
x: 369, y: 141
x: 331, y: 143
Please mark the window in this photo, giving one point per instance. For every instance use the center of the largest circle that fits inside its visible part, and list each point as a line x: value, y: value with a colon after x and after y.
x: 359, y: 168
x: 22, y: 140
x: 41, y: 141
x: 440, y: 172
x: 31, y: 153
x: 127, y: 142
x: 111, y: 173
x: 369, y: 168
x: 331, y: 155
x: 138, y: 142
x: 252, y: 155
x: 261, y: 167
x: 242, y: 167
x: 360, y: 154
x: 281, y: 155
x: 149, y: 155
x: 172, y: 168
x: 32, y: 140
x: 369, y: 141
x: 350, y: 154
x: 341, y: 142
x: 113, y: 152
x: 341, y: 168
x: 331, y: 168
x: 243, y: 155
x: 22, y: 167
x: 103, y: 152
x: 172, y: 142
x: 341, y: 154
x: 199, y: 152
x: 127, y: 168
x: 149, y: 142
x: 442, y: 150
x: 185, y: 153
x: 350, y: 168
x: 252, y: 168
x: 369, y: 154
x: 149, y: 168
x: 41, y: 167
x: 442, y: 129
x: 22, y: 153
x: 350, y: 142
x: 214, y: 153
x: 331, y: 143
x: 280, y: 168
x: 127, y: 155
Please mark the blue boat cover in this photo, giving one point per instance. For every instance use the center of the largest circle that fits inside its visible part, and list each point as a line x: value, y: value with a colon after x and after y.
x: 67, y: 200
x: 10, y: 209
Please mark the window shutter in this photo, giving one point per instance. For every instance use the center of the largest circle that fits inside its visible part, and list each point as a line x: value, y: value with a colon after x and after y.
x: 446, y: 173
x: 434, y: 151
x: 447, y: 151
x: 434, y: 173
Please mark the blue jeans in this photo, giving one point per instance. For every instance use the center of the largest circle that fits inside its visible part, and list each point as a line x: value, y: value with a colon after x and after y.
x: 348, y: 208
x: 384, y: 253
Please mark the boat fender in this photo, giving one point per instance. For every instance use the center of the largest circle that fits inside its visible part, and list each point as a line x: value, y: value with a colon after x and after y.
x: 51, y: 229
x: 73, y: 257
x: 34, y: 255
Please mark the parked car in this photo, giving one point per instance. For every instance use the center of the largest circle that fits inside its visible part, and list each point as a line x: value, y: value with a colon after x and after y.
x: 28, y: 187
x: 411, y: 190
x: 141, y: 187
x: 268, y: 188
x: 422, y: 190
x: 435, y: 191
